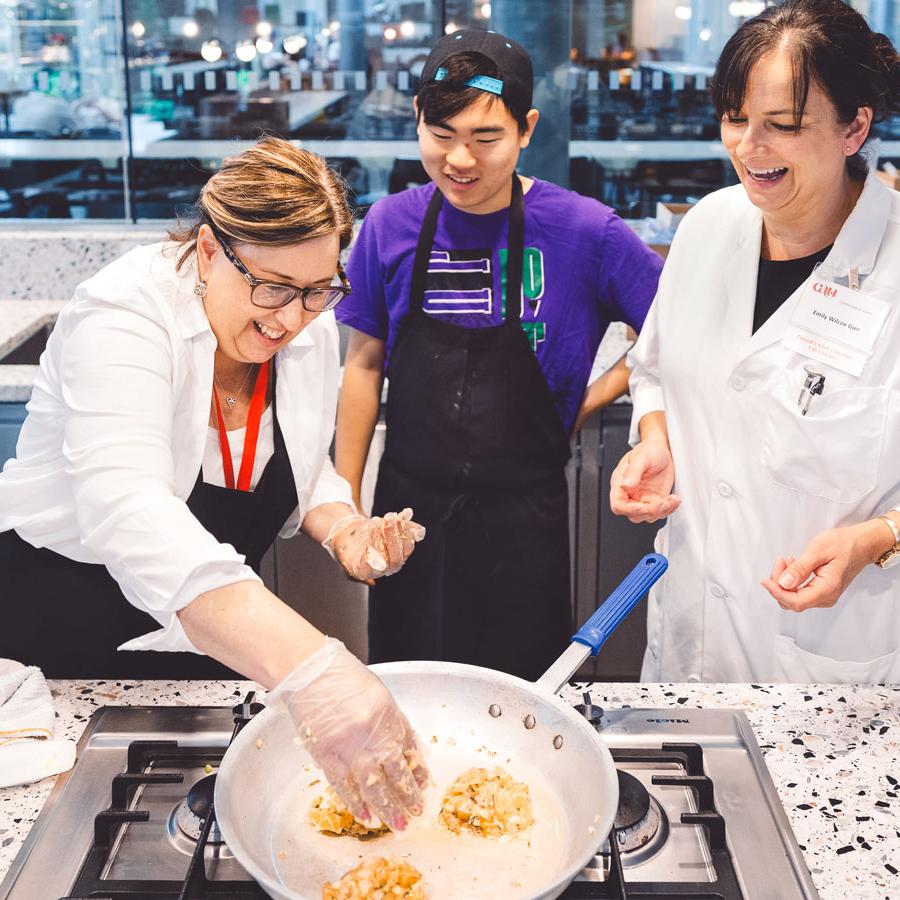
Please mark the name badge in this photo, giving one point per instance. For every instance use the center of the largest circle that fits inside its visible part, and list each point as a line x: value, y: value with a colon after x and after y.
x: 836, y: 325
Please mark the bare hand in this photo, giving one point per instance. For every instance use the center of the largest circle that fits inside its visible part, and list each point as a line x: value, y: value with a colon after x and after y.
x: 640, y: 487
x: 831, y: 560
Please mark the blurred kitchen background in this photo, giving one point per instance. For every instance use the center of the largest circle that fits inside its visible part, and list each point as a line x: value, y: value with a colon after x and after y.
x: 115, y: 112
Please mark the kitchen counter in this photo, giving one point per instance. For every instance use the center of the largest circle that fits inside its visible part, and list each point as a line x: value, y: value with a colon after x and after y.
x: 19, y: 320
x: 833, y: 752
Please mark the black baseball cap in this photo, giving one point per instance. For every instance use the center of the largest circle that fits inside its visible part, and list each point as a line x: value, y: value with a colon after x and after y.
x: 516, y: 81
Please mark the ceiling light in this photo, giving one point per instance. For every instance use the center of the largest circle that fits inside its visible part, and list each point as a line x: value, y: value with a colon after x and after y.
x: 294, y: 43
x: 211, y: 51
x: 245, y: 51
x: 744, y: 9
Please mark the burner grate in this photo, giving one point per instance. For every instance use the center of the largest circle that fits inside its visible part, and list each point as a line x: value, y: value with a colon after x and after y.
x: 725, y: 886
x: 142, y: 755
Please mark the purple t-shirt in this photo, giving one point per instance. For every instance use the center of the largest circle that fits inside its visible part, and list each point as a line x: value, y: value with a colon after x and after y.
x: 583, y: 268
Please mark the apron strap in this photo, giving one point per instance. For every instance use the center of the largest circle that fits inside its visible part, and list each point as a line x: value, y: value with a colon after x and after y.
x: 515, y: 255
x: 423, y: 252
x: 514, y: 258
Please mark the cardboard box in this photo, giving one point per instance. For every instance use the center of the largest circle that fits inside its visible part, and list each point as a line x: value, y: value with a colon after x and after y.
x: 669, y: 215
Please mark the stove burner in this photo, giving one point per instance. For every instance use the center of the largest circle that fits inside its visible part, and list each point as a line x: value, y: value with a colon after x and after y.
x: 591, y: 712
x: 641, y: 827
x: 190, y: 813
x: 634, y: 801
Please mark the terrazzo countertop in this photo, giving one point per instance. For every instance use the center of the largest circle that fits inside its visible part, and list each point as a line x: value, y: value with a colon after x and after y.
x: 833, y: 752
x: 19, y: 320
x: 50, y: 260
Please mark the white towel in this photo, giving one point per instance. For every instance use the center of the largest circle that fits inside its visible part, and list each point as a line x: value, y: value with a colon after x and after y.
x: 28, y: 749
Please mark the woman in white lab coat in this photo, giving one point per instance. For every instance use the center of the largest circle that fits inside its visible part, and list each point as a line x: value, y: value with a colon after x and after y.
x: 180, y: 420
x: 766, y: 380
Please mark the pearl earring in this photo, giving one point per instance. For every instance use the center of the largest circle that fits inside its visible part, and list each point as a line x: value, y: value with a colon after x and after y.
x: 849, y: 149
x: 200, y: 288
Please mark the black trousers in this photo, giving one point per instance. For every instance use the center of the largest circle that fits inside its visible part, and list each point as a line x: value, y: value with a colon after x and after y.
x: 489, y: 585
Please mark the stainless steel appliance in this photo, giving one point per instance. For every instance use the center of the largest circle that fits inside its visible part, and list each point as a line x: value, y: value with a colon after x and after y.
x: 698, y: 816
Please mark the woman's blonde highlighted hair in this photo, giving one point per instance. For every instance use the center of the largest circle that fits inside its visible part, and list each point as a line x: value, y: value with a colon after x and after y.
x: 273, y: 193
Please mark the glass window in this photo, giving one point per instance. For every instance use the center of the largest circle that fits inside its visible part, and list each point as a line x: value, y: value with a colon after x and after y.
x: 62, y: 107
x: 171, y: 87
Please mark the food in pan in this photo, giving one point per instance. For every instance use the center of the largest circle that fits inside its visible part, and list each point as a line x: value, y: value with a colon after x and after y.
x: 329, y: 814
x: 378, y: 879
x: 487, y: 802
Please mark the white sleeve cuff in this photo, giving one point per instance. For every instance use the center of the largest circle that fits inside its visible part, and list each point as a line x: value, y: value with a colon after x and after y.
x: 172, y: 636
x: 330, y: 488
x: 645, y: 398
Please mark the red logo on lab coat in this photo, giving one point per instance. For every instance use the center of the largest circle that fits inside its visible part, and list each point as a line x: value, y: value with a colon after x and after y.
x: 821, y: 288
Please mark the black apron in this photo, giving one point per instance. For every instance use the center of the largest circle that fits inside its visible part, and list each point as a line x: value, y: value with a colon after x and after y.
x: 476, y: 447
x: 68, y: 617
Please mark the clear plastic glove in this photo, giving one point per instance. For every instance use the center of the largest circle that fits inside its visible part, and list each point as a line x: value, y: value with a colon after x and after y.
x: 357, y: 735
x: 370, y: 548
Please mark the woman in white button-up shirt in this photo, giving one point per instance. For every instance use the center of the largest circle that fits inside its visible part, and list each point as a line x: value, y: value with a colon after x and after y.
x: 778, y: 428
x: 140, y: 490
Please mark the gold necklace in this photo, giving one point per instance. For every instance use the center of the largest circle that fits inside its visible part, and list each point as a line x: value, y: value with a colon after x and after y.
x: 230, y: 398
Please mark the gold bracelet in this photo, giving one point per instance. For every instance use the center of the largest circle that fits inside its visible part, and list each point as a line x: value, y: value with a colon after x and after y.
x: 891, y: 555
x: 895, y: 529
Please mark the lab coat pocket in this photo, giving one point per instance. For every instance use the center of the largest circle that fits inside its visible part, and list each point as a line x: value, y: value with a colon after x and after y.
x: 835, y: 451
x: 795, y: 665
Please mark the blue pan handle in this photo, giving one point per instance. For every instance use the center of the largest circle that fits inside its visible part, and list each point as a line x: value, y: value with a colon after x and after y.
x: 609, y: 615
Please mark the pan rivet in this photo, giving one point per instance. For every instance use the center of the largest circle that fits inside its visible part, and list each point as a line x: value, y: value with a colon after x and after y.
x: 529, y: 721
x: 558, y: 741
x: 495, y: 711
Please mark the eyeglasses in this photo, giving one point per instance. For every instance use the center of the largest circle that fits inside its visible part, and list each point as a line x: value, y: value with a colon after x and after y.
x: 274, y: 295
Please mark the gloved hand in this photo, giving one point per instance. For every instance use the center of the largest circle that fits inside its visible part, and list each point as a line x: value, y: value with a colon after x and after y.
x: 357, y: 735
x: 370, y: 548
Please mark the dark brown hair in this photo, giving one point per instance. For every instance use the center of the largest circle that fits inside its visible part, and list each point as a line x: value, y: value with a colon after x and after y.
x: 440, y: 101
x: 829, y: 43
x: 272, y: 193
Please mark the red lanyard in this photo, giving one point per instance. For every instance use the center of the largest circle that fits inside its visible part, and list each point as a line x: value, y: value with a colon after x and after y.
x: 254, y: 417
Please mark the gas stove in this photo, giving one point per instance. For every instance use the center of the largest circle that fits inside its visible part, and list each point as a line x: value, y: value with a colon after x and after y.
x: 698, y: 814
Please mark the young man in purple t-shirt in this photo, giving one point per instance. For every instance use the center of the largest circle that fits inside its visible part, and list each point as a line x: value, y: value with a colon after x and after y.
x: 483, y: 296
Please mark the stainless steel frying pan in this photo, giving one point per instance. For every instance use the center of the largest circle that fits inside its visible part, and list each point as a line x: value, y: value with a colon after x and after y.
x: 465, y: 716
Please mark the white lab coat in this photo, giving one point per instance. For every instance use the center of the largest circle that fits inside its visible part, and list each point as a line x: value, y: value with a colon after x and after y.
x: 116, y: 429
x: 757, y: 479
